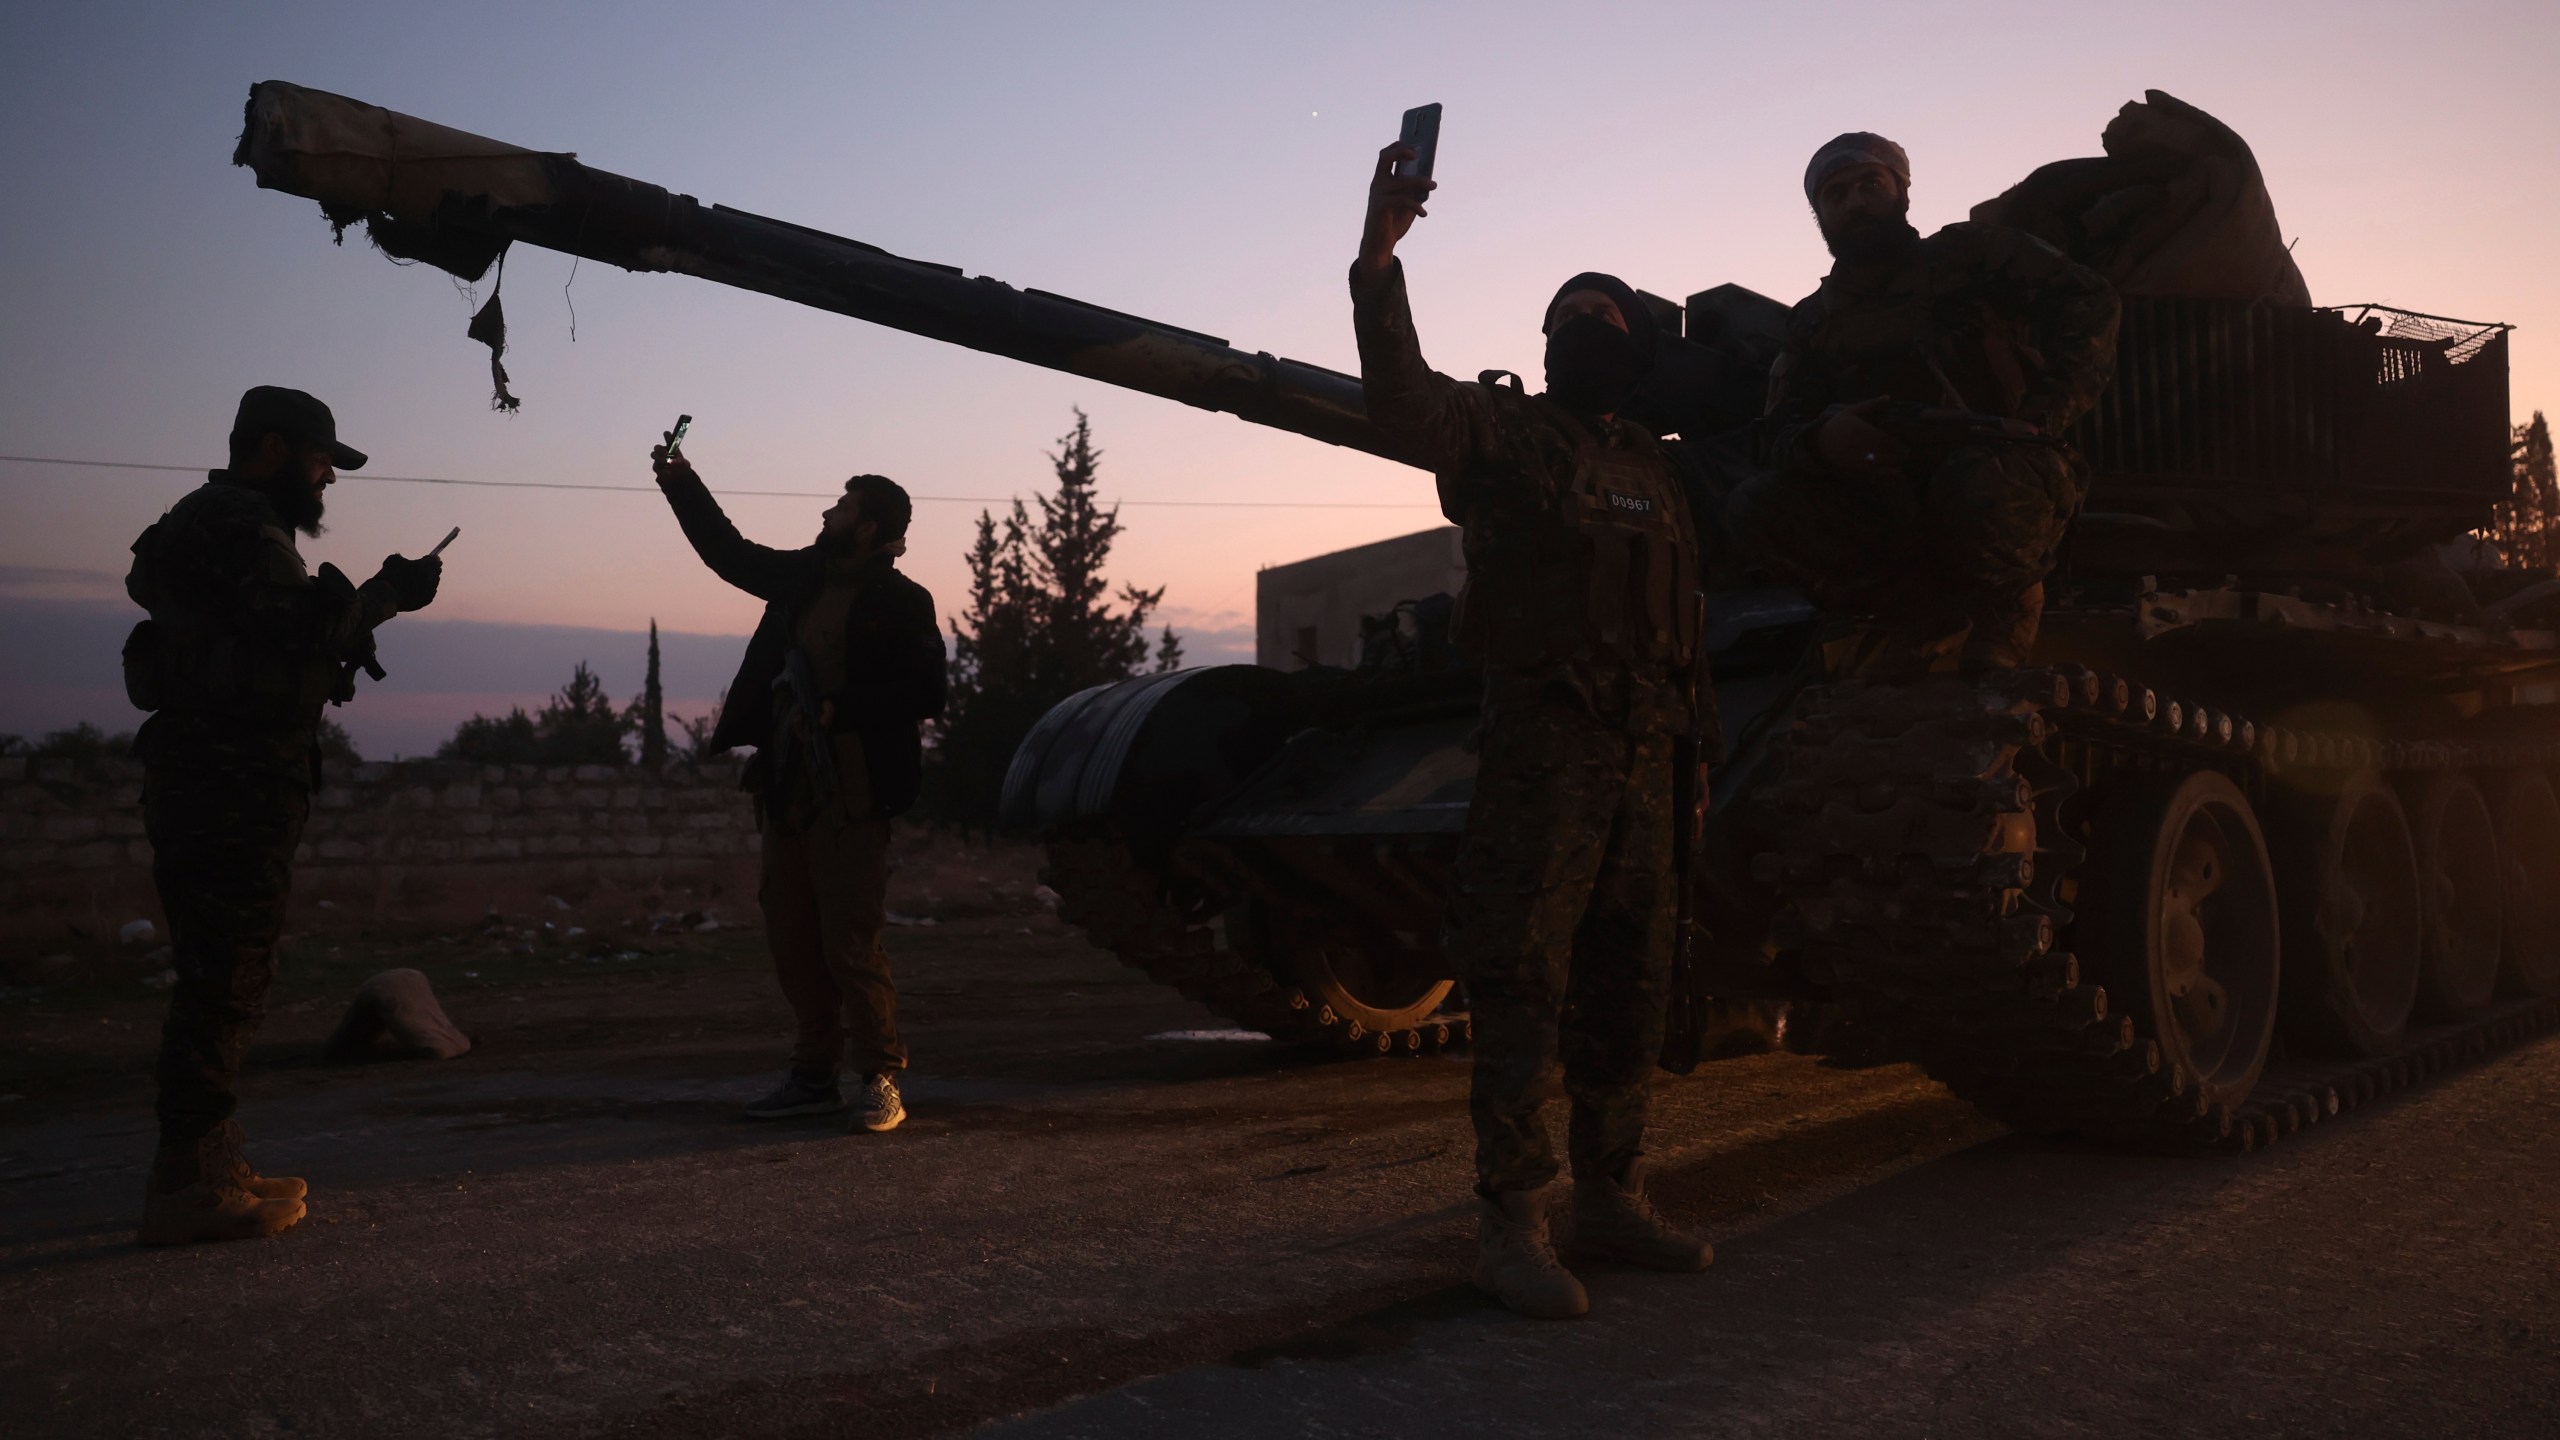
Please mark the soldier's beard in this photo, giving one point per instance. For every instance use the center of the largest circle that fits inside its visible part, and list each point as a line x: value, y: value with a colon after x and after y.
x: 1870, y: 239
x: 298, y: 504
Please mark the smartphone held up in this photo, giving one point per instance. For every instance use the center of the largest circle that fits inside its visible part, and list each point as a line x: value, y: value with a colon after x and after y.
x: 1422, y: 136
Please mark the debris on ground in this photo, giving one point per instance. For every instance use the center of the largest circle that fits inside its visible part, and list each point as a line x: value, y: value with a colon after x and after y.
x: 399, y: 1005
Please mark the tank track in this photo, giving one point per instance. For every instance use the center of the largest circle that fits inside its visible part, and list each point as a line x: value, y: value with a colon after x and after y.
x: 1909, y: 820
x: 1124, y: 907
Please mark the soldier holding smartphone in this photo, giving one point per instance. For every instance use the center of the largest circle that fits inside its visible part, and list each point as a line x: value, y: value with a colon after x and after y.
x: 244, y: 646
x: 843, y: 670
x: 1581, y: 604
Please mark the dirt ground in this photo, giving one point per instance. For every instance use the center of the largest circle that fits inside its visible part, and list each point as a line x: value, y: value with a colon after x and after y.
x: 1105, y: 1218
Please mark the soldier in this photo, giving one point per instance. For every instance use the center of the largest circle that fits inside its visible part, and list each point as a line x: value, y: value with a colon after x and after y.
x: 1914, y: 414
x: 1581, y: 603
x: 243, y: 647
x: 843, y: 669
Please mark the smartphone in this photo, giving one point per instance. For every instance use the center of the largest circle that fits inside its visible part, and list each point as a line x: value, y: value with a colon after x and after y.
x: 675, y: 437
x: 447, y: 540
x: 1422, y: 132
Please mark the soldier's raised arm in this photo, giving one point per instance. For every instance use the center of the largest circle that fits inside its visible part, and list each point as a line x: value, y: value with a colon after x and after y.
x: 1435, y: 422
x: 2074, y: 313
x: 760, y: 570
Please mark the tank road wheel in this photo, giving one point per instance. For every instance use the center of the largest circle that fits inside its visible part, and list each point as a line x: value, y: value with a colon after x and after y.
x: 1371, y: 990
x: 2529, y: 856
x: 1368, y: 1005
x: 2181, y: 928
x: 2348, y: 877
x: 2461, y: 893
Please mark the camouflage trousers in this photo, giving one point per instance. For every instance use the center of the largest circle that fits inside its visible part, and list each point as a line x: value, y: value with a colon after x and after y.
x: 1561, y: 926
x: 1972, y: 532
x: 222, y: 841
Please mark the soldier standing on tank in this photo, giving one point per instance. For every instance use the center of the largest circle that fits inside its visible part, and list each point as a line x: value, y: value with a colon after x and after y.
x: 1948, y: 521
x: 1582, y: 605
x: 844, y: 668
x: 243, y: 648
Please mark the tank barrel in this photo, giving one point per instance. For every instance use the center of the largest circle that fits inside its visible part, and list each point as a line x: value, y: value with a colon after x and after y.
x: 428, y: 192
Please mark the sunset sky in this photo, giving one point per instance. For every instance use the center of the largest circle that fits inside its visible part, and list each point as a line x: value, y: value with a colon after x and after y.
x: 1200, y: 164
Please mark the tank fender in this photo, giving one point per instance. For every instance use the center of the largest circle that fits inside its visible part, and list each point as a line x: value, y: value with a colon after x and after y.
x: 1148, y: 753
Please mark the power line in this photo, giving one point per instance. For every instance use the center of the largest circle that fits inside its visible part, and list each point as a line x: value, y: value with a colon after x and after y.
x: 760, y: 494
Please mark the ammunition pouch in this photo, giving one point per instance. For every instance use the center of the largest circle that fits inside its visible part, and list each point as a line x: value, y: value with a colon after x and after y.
x: 170, y: 665
x: 143, y: 666
x: 1610, y: 574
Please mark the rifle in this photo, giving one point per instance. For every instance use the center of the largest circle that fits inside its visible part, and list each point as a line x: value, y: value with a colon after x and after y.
x: 803, y: 685
x: 1931, y: 427
x: 334, y: 581
x: 1684, y: 1035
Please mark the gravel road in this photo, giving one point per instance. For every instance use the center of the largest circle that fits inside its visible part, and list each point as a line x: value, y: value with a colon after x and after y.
x: 1101, y: 1223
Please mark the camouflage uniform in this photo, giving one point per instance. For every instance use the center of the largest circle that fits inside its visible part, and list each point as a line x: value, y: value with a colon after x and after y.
x: 1582, y: 605
x: 243, y: 647
x: 1975, y: 318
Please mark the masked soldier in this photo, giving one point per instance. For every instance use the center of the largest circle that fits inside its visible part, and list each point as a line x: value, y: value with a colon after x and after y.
x: 1914, y: 416
x: 243, y: 647
x: 843, y: 669
x: 1581, y: 603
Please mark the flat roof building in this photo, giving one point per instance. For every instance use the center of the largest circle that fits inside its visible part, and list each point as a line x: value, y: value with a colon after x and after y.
x: 1308, y: 612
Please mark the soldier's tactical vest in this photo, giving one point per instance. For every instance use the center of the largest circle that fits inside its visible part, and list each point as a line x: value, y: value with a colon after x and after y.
x: 184, y: 658
x: 1608, y: 574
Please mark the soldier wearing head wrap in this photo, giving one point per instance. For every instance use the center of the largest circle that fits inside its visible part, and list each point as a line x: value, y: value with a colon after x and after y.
x: 1581, y: 603
x: 243, y: 648
x: 1914, y: 469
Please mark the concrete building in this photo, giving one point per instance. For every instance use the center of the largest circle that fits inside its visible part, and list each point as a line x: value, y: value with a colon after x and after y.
x: 1308, y: 611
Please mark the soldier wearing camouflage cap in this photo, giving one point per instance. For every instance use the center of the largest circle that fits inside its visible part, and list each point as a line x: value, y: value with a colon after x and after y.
x: 1914, y: 470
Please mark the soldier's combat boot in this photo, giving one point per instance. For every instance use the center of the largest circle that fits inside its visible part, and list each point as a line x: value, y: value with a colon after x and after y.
x: 2004, y: 632
x: 1612, y: 1220
x: 265, y: 1187
x: 1516, y: 1260
x: 195, y: 1194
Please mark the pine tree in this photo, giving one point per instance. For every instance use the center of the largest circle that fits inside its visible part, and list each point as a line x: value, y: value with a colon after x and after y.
x: 1083, y: 637
x: 2537, y: 498
x: 1040, y: 625
x: 576, y: 726
x: 2526, y: 525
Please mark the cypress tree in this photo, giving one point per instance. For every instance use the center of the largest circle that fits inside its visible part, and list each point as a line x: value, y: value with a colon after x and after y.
x: 653, y: 711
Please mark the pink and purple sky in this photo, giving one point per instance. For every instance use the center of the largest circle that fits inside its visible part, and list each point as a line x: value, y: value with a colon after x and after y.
x: 1201, y: 164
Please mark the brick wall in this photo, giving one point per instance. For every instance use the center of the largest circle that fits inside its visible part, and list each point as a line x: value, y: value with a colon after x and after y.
x: 71, y: 835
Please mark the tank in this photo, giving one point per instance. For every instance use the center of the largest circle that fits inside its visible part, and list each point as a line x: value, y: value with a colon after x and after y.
x: 2268, y: 831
